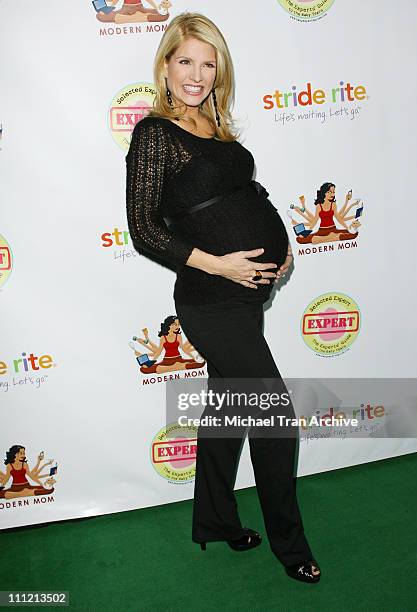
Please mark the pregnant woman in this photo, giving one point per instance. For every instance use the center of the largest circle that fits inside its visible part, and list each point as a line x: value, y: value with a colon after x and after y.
x: 192, y: 204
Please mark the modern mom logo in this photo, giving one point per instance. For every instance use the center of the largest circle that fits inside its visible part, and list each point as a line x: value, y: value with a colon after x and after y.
x: 27, y: 370
x: 330, y: 324
x: 173, y: 453
x: 130, y: 104
x: 306, y: 10
x: 20, y: 492
x: 121, y: 17
x: 326, y: 224
x: 147, y: 354
x: 6, y: 260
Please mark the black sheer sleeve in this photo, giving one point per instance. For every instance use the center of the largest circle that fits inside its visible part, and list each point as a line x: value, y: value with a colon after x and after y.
x: 147, y: 163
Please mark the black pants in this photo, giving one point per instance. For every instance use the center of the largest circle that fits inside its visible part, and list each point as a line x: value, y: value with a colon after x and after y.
x: 229, y: 336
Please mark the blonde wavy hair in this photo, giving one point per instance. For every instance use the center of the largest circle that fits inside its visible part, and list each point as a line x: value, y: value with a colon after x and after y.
x: 195, y: 25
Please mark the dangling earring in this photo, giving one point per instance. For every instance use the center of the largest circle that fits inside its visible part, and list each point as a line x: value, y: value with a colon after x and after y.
x: 169, y: 97
x: 215, y: 107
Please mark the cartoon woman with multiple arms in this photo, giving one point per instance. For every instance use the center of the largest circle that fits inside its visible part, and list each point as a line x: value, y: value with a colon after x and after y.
x: 17, y: 468
x: 326, y: 212
x: 131, y: 11
x: 170, y: 342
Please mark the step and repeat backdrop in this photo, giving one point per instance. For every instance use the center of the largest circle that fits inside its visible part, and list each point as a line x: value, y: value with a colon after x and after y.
x: 324, y: 99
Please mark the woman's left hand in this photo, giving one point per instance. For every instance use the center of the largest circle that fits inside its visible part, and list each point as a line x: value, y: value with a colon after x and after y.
x: 283, y: 269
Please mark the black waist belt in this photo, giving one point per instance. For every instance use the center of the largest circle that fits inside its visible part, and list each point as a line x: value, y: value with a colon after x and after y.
x: 175, y: 218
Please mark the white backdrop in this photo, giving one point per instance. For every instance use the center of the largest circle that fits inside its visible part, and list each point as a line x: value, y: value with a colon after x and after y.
x: 71, y: 294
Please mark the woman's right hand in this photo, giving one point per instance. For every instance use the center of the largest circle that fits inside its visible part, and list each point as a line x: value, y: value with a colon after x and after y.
x: 237, y: 267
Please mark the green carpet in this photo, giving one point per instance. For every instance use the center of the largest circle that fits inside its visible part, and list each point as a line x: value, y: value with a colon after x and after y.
x: 360, y: 522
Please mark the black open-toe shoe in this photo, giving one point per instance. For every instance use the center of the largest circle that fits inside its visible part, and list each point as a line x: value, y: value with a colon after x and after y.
x: 304, y: 571
x: 249, y: 540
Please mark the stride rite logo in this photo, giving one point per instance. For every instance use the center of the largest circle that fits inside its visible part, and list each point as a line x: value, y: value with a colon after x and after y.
x: 366, y: 412
x: 28, y: 363
x: 307, y: 97
x: 119, y: 239
x: 116, y: 237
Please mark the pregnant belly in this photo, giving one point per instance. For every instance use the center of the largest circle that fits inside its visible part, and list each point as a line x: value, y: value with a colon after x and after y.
x: 241, y: 222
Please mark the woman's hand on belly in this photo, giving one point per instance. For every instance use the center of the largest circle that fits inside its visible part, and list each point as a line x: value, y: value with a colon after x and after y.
x: 235, y: 266
x: 238, y: 268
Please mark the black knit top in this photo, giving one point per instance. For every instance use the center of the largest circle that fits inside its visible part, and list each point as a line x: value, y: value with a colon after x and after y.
x: 168, y: 170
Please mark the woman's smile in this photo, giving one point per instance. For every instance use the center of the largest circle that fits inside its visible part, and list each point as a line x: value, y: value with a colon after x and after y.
x: 193, y: 90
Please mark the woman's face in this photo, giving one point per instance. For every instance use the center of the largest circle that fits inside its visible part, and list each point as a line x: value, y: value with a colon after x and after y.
x: 175, y: 326
x: 20, y: 455
x: 330, y: 194
x: 191, y: 72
